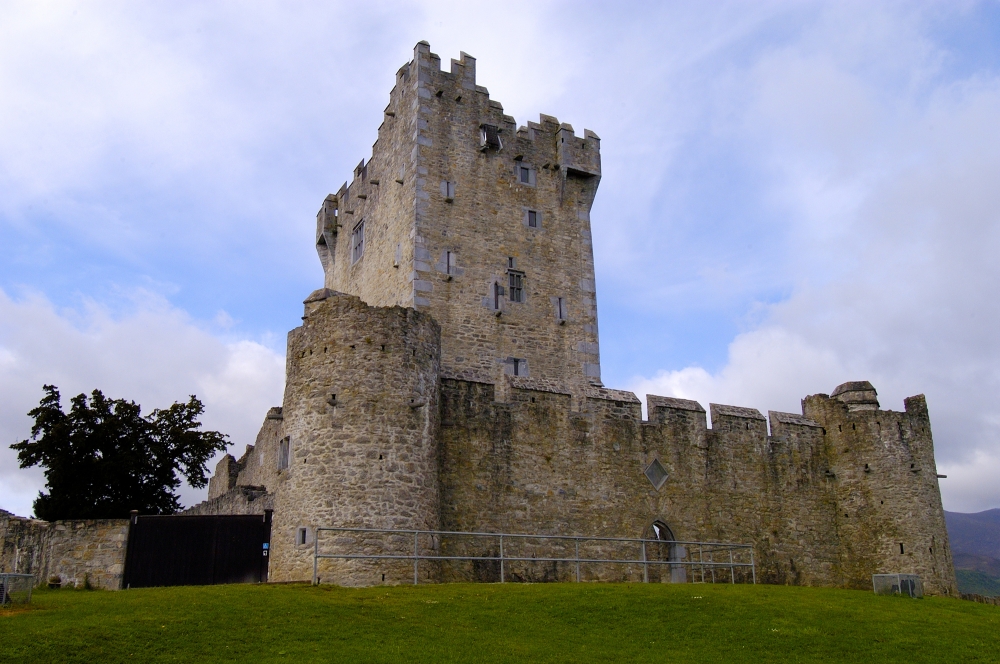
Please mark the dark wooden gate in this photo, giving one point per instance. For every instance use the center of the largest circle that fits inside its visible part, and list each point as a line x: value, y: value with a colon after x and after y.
x: 181, y: 550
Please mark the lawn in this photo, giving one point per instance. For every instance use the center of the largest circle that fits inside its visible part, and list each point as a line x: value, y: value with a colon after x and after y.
x: 496, y: 623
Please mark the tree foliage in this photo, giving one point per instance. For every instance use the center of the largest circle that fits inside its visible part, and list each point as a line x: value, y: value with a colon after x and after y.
x: 104, y: 458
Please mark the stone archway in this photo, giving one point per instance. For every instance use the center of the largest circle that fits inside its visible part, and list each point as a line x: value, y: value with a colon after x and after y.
x: 666, y: 549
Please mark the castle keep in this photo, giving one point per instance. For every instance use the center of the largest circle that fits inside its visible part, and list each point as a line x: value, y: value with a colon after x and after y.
x: 447, y: 377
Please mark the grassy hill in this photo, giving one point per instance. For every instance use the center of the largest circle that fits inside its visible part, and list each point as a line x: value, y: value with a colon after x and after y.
x: 496, y: 623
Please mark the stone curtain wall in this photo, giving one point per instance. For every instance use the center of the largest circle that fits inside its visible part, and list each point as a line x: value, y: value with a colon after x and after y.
x: 535, y: 465
x: 361, y: 413
x: 79, y: 552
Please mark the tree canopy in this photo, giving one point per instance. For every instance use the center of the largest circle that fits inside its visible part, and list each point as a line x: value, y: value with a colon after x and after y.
x: 103, y: 458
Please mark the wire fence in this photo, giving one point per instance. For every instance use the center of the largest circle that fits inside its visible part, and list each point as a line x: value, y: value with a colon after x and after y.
x: 365, y: 556
x: 15, y: 588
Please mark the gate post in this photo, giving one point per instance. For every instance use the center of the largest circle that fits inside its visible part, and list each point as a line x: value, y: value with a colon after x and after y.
x: 315, y: 556
x: 416, y: 534
x: 501, y: 560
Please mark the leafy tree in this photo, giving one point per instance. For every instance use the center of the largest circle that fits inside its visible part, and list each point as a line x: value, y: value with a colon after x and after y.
x: 103, y: 458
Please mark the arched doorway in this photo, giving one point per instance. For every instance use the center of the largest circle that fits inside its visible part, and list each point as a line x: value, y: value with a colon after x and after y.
x: 665, y: 549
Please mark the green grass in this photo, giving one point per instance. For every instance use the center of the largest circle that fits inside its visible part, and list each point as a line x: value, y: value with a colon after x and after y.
x: 497, y: 623
x: 981, y: 583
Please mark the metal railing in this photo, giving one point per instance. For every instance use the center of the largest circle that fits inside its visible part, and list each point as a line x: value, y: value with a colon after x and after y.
x: 680, y: 557
x: 16, y: 588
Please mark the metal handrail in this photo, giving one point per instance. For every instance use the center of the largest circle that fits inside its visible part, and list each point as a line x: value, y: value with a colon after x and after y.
x: 416, y: 557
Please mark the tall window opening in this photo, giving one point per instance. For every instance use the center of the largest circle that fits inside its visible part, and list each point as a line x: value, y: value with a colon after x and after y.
x: 516, y: 285
x: 497, y: 292
x: 358, y: 242
x: 447, y: 262
x: 560, y: 308
x: 532, y: 219
x: 448, y: 190
x: 284, y: 452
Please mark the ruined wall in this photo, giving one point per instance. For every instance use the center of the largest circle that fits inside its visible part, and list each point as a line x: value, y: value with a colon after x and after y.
x: 79, y: 552
x: 239, y: 500
x: 361, y: 416
x: 256, y: 469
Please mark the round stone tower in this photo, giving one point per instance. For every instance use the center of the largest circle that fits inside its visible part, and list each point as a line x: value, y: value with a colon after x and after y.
x: 360, y: 431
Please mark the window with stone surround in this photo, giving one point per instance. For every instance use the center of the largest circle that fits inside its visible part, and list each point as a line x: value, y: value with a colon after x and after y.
x: 560, y: 309
x: 525, y: 174
x: 358, y: 242
x: 515, y: 284
x: 516, y: 366
x: 656, y: 474
x: 284, y: 452
x: 448, y: 190
x: 532, y: 218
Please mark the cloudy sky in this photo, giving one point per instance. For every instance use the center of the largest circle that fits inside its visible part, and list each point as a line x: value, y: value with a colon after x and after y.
x: 794, y: 195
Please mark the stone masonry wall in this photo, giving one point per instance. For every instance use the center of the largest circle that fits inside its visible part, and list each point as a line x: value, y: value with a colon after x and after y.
x: 361, y: 414
x: 257, y: 468
x: 446, y: 220
x: 79, y: 552
x: 889, y: 512
x: 534, y: 465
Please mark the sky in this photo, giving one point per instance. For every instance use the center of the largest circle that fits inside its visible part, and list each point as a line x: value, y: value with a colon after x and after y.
x: 794, y: 195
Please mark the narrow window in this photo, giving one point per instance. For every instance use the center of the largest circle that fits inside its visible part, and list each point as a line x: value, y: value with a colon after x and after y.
x: 900, y: 548
x: 532, y: 219
x: 358, y: 242
x: 511, y: 263
x: 283, y: 453
x: 302, y: 536
x: 496, y: 296
x: 517, y: 365
x: 448, y: 190
x: 560, y: 308
x: 516, y: 285
x: 447, y: 262
x: 525, y: 174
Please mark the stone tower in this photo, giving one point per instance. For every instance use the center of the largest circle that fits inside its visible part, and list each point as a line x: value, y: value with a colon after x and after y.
x: 483, y: 225
x: 360, y: 427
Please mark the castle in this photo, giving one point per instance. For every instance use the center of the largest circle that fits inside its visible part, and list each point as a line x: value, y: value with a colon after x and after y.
x: 447, y: 377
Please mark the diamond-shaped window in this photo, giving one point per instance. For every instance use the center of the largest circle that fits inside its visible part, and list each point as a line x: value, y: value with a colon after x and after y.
x: 656, y: 474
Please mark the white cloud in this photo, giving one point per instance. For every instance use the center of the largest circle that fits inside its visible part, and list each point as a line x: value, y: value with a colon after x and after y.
x: 154, y: 355
x: 886, y: 174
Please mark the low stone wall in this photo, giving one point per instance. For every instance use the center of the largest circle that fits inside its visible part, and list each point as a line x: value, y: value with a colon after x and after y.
x: 982, y: 599
x: 80, y: 552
